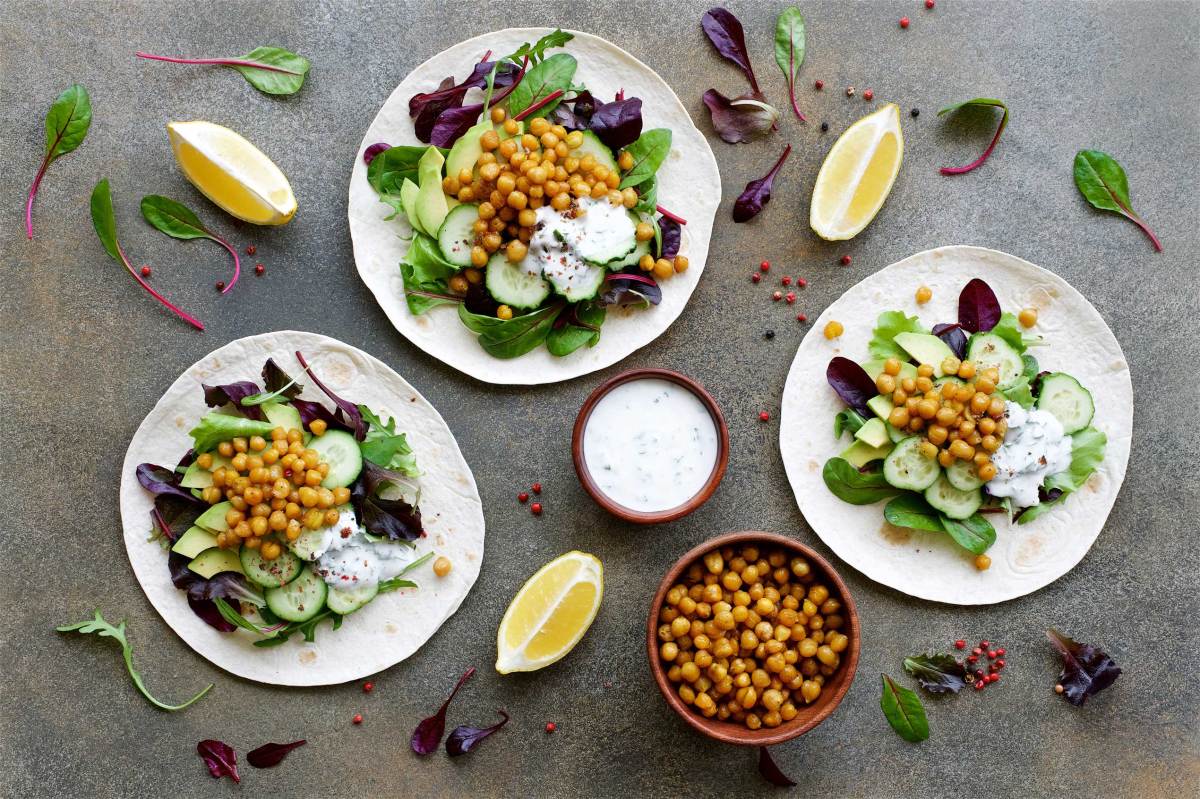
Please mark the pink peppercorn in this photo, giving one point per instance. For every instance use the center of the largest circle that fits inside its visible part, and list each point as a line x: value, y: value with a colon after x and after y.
x: 869, y: 95
x: 763, y: 416
x: 765, y: 266
x: 903, y: 22
x: 536, y: 508
x: 818, y: 85
x: 801, y: 317
x: 845, y: 260
x: 145, y: 271
x: 755, y: 278
x: 368, y: 687
x: 787, y: 281
x: 929, y: 4
x: 523, y: 497
x: 960, y: 644
x: 791, y: 297
x: 777, y: 296
x: 801, y: 282
x: 357, y: 718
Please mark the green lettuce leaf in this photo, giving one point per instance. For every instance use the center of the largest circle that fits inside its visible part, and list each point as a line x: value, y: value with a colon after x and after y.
x: 426, y: 275
x: 385, y: 447
x: 887, y: 326
x: 1009, y: 329
x: 215, y: 427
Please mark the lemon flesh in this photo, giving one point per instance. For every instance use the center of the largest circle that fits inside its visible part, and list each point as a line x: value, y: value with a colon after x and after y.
x: 232, y: 172
x: 857, y: 175
x: 550, y: 614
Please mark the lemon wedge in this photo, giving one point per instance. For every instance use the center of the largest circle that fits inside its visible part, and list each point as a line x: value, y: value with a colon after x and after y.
x: 857, y: 175
x: 550, y: 613
x: 232, y: 172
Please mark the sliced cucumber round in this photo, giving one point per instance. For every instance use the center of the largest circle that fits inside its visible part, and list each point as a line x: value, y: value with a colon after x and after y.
x: 269, y: 573
x: 310, y: 544
x: 580, y: 283
x: 955, y: 503
x: 348, y: 600
x: 299, y: 600
x: 1069, y: 402
x: 615, y: 243
x: 906, y: 467
x: 962, y: 476
x: 340, y: 450
x: 958, y: 381
x: 455, y: 237
x: 988, y: 350
x: 516, y: 285
x: 640, y: 248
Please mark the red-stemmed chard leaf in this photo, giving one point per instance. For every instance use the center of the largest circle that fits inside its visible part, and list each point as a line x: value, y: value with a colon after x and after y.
x: 105, y: 221
x: 978, y: 308
x: 1103, y: 183
x: 770, y: 771
x: 454, y: 121
x: 220, y: 759
x: 465, y: 738
x: 672, y: 233
x: 180, y: 222
x: 789, y: 50
x: 348, y: 409
x: 428, y: 734
x: 954, y: 337
x: 757, y: 193
x: 1087, y: 670
x: 741, y: 119
x: 978, y: 102
x: 67, y: 124
x: 271, y: 70
x: 852, y: 384
x: 630, y: 288
x: 271, y: 755
x: 373, y: 150
x: 669, y: 215
x: 725, y: 32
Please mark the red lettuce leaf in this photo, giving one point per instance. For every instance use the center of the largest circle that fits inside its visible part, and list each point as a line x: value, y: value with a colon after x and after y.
x: 428, y: 734
x: 978, y: 308
x: 671, y: 235
x: 311, y: 411
x: 161, y: 481
x: 619, y: 123
x: 725, y: 32
x: 954, y: 337
x: 220, y: 759
x: 575, y: 114
x: 631, y: 288
x: 464, y: 738
x: 453, y: 122
x: 373, y: 150
x: 1087, y: 670
x: 938, y: 673
x: 770, y: 771
x: 233, y: 394
x: 347, y: 409
x: 741, y: 119
x: 758, y: 192
x: 394, y: 519
x: 271, y: 755
x: 852, y: 384
x: 277, y: 380
x: 427, y: 107
x: 207, y: 610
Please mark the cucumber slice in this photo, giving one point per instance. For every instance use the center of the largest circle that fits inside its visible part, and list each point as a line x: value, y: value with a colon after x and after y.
x: 269, y: 573
x: 299, y: 600
x: 629, y: 261
x: 348, y: 600
x: 456, y: 236
x: 962, y: 476
x: 340, y: 450
x: 1069, y: 402
x: 906, y: 467
x: 310, y: 544
x: 988, y: 350
x: 582, y: 282
x: 597, y: 149
x: 516, y: 285
x: 954, y: 502
x: 604, y: 245
x: 958, y: 381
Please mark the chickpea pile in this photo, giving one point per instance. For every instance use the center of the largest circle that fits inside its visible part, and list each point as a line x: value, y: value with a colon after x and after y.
x: 959, y: 421
x: 274, y: 487
x: 748, y: 638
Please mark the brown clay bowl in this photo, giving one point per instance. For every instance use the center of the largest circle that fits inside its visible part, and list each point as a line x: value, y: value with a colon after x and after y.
x: 670, y: 514
x: 810, y: 715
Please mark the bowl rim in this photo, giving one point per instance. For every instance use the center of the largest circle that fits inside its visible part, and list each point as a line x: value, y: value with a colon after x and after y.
x: 730, y: 732
x: 670, y: 514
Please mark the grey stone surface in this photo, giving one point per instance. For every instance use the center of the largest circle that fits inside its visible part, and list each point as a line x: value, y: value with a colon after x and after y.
x: 86, y: 354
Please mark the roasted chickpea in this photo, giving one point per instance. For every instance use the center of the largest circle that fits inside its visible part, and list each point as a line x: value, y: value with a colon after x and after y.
x: 1028, y: 317
x: 833, y: 329
x: 504, y: 312
x: 924, y: 294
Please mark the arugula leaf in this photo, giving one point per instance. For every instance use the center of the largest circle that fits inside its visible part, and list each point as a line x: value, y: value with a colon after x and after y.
x: 848, y: 420
x: 938, y: 674
x: 889, y: 323
x: 583, y: 328
x: 67, y: 124
x: 215, y: 427
x: 541, y: 80
x: 511, y: 338
x: 384, y: 446
x: 231, y: 615
x: 1087, y: 452
x: 978, y: 102
x: 789, y: 50
x: 649, y: 152
x: 103, y: 629
x: 904, y: 712
x: 1102, y: 182
x: 858, y: 488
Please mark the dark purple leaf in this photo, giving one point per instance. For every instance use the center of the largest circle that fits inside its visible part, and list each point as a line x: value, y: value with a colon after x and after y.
x: 348, y: 409
x: 311, y: 411
x: 741, y: 119
x: 725, y: 32
x: 161, y: 481
x: 220, y: 759
x: 231, y: 586
x: 630, y: 288
x: 206, y: 609
x: 428, y: 734
x: 374, y: 150
x: 479, y: 301
x: 171, y: 516
x: 233, y: 394
x: 954, y: 337
x: 394, y: 519
x: 277, y: 380
x: 758, y: 192
x: 938, y: 673
x: 426, y: 107
x: 1087, y: 670
x: 978, y: 308
x: 575, y: 114
x: 770, y: 771
x: 671, y: 235
x: 463, y: 739
x: 271, y: 755
x: 201, y: 592
x: 618, y: 124
x: 452, y: 122
x: 852, y: 384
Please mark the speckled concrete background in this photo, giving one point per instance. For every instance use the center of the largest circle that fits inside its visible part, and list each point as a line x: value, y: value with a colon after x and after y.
x: 86, y: 354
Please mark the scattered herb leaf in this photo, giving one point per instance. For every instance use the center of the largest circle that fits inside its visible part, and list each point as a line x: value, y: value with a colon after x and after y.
x: 1102, y: 182
x: 978, y: 102
x: 857, y: 488
x: 220, y: 759
x: 463, y: 739
x: 741, y: 119
x: 757, y: 193
x: 903, y: 710
x: 1087, y: 670
x: 727, y: 36
x: 271, y: 70
x: 938, y: 674
x: 271, y: 755
x: 67, y: 124
x: 180, y: 222
x: 789, y: 50
x: 428, y: 734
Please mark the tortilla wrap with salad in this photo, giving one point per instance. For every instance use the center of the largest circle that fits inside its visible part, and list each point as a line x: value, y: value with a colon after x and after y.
x: 964, y: 439
x: 524, y: 275
x: 309, y: 526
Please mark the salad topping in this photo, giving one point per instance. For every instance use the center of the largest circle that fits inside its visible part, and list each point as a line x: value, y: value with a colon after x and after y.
x: 1035, y: 448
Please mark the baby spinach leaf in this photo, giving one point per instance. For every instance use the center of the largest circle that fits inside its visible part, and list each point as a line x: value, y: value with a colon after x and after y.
x: 911, y: 510
x: 789, y: 50
x: 904, y: 712
x: 1087, y: 670
x: 848, y: 420
x: 978, y: 102
x: 67, y: 124
x: 103, y: 629
x: 974, y: 534
x: 649, y: 152
x: 271, y: 70
x: 1102, y: 182
x: 726, y: 34
x: 511, y: 338
x: 582, y: 328
x: 541, y: 80
x: 938, y: 674
x: 757, y: 193
x: 741, y: 119
x: 180, y: 222
x: 858, y: 488
x: 882, y: 345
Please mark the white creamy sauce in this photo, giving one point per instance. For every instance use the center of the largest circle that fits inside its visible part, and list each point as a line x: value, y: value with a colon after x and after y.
x: 563, y: 239
x: 348, y: 559
x: 650, y: 444
x: 1034, y: 448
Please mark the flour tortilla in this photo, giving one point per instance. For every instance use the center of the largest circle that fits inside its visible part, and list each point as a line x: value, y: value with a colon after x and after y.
x: 391, y: 627
x: 929, y: 565
x: 689, y: 185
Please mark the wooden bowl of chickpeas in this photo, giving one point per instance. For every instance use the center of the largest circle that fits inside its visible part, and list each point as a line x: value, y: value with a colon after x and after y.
x: 753, y: 638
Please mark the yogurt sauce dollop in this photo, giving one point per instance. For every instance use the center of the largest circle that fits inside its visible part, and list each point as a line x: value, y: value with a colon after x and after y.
x: 1034, y: 448
x: 346, y: 558
x: 650, y: 444
x: 563, y: 238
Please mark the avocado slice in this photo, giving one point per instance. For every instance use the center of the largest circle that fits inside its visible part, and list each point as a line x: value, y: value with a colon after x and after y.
x: 214, y: 518
x: 198, y: 477
x: 881, y: 406
x: 859, y: 454
x: 466, y: 151
x: 925, y: 348
x: 874, y: 433
x: 874, y: 368
x: 194, y: 541
x: 281, y: 414
x: 408, y: 199
x: 431, y: 200
x: 214, y: 561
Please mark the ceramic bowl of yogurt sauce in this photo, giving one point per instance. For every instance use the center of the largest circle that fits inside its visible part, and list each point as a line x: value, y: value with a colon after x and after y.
x: 650, y: 445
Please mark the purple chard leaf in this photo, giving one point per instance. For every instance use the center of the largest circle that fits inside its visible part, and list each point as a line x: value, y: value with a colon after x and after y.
x: 672, y: 232
x: 271, y: 755
x: 220, y: 759
x: 1087, y: 670
x: 428, y: 735
x: 374, y: 150
x: 619, y: 123
x: 741, y: 119
x: 725, y: 32
x: 348, y: 409
x: 954, y: 337
x: 465, y: 738
x: 852, y: 384
x: 978, y: 308
x: 770, y: 771
x: 758, y: 192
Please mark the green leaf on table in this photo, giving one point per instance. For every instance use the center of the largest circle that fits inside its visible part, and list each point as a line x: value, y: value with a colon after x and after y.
x: 271, y: 70
x: 789, y: 50
x: 978, y: 102
x: 882, y: 345
x: 67, y: 124
x: 938, y: 673
x: 649, y: 152
x: 903, y: 710
x: 173, y: 218
x: 102, y: 628
x: 1102, y: 182
x: 858, y: 488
